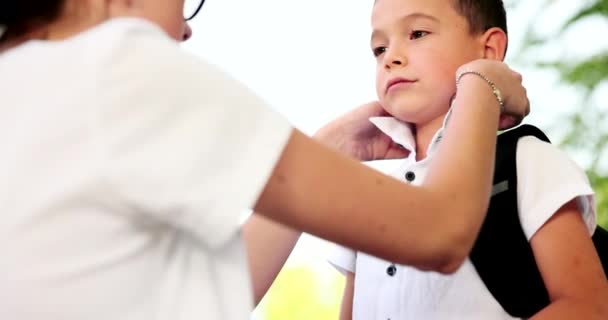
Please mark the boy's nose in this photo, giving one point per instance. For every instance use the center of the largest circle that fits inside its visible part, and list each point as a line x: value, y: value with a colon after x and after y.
x: 187, y: 32
x: 394, y: 59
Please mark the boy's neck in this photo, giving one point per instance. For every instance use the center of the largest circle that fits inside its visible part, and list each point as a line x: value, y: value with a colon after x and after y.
x: 424, y: 133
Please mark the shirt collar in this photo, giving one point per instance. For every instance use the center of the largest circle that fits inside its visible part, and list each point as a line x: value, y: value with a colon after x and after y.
x: 402, y: 133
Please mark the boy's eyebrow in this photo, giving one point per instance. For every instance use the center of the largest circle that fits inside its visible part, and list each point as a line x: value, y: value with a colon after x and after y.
x: 419, y: 15
x: 411, y: 16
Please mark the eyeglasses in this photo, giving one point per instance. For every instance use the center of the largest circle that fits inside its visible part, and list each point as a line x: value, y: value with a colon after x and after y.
x: 192, y: 8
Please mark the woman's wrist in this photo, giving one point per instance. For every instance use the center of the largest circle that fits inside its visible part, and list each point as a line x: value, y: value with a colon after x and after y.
x: 476, y: 93
x: 495, y: 90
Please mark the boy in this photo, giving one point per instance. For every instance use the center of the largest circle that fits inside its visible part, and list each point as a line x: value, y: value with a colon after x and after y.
x: 418, y: 45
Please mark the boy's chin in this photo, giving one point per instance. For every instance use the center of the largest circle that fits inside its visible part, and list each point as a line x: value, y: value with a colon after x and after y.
x: 416, y: 113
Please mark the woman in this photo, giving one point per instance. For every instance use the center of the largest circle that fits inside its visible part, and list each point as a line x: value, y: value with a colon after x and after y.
x: 128, y: 163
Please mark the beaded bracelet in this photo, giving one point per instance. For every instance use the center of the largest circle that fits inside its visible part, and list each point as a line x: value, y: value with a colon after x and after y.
x: 495, y: 89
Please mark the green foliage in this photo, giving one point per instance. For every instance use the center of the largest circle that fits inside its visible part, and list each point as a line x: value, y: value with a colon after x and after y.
x: 588, y: 73
x: 599, y: 7
x: 600, y: 184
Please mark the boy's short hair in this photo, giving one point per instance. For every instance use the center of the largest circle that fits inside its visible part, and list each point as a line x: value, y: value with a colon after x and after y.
x: 482, y: 15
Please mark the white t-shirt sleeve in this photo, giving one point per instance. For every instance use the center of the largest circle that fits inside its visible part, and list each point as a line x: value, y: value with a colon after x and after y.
x: 343, y: 259
x: 185, y: 144
x: 547, y: 179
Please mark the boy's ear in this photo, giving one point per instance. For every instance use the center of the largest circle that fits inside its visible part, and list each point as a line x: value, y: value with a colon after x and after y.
x: 495, y: 43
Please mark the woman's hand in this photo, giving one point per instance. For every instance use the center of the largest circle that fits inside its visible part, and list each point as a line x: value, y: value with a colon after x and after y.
x: 354, y: 135
x: 508, y: 82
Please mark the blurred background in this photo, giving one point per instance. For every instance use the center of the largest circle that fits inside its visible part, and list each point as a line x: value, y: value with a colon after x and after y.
x: 311, y: 61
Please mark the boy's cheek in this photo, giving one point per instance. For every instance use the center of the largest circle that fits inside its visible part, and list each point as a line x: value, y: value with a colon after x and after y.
x: 379, y: 86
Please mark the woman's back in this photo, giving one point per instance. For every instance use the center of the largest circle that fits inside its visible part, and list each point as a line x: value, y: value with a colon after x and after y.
x: 102, y: 191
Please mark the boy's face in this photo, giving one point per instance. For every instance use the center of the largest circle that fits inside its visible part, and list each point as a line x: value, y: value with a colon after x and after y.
x: 419, y: 45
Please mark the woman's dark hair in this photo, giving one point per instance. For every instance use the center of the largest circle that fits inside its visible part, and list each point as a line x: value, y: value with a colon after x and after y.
x: 20, y: 16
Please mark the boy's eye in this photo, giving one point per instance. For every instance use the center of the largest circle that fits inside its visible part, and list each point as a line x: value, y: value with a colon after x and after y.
x: 378, y: 51
x: 417, y: 34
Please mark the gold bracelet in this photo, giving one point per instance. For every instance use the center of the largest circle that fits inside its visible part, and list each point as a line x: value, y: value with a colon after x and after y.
x: 495, y: 89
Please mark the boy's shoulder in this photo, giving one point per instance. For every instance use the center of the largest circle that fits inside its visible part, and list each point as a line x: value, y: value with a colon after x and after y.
x: 540, y: 178
x: 527, y: 146
x: 541, y: 159
x: 536, y: 179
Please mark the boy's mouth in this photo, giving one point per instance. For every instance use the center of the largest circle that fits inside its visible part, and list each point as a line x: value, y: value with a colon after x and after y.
x: 398, y: 82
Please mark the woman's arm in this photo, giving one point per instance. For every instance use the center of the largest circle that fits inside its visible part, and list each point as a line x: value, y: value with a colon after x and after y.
x: 430, y: 227
x: 269, y: 244
x: 346, y: 308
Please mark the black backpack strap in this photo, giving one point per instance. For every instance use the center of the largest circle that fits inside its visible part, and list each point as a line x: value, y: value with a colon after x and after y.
x: 600, y: 239
x: 502, y: 255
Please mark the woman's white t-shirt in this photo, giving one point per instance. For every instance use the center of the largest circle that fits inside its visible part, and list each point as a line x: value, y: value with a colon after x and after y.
x: 127, y: 165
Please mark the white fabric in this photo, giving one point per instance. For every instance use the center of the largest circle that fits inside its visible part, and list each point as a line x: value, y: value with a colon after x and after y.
x: 127, y: 165
x: 547, y: 179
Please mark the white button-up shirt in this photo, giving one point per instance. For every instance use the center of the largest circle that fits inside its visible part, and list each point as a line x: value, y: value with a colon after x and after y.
x: 547, y: 180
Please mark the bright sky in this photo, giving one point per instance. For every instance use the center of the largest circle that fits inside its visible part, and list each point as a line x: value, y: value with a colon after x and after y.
x: 311, y: 60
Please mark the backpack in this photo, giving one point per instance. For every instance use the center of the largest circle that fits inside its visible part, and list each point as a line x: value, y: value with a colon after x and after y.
x: 502, y: 255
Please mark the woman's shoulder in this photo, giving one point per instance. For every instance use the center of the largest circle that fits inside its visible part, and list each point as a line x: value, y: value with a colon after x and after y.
x: 140, y: 51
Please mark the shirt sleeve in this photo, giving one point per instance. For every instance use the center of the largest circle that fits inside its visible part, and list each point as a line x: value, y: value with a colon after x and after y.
x: 185, y: 144
x: 547, y: 180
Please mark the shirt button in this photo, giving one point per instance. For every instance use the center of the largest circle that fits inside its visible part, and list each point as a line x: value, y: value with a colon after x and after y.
x: 391, y: 270
x: 410, y: 176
